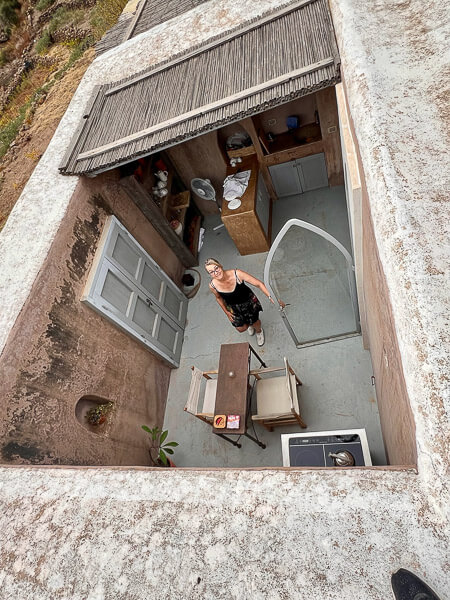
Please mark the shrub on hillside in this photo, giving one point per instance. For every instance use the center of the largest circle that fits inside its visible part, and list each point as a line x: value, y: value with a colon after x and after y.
x: 8, y: 14
x: 61, y: 17
x: 105, y: 14
x: 4, y: 57
x: 43, y: 43
x: 44, y: 4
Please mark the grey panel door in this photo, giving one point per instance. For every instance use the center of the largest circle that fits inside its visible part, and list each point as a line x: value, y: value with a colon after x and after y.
x: 263, y: 204
x: 132, y: 291
x: 126, y: 254
x: 133, y: 310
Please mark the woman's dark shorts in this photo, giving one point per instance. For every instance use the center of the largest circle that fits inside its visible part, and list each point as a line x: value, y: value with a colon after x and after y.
x: 246, y: 313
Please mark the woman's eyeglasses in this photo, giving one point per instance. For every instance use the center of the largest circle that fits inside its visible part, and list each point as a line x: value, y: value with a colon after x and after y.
x: 215, y: 271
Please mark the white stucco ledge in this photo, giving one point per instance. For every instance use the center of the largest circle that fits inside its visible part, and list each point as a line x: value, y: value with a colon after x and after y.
x: 394, y: 57
x: 90, y: 534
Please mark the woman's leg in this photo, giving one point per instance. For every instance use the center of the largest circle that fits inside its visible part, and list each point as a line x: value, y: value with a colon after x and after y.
x: 257, y: 326
x: 242, y: 328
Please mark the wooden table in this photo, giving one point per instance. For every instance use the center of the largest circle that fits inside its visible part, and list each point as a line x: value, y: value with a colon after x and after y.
x: 233, y: 394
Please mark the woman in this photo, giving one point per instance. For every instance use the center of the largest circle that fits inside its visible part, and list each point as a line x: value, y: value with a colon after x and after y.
x: 237, y: 300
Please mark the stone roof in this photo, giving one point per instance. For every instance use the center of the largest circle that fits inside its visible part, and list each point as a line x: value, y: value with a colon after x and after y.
x: 141, y: 18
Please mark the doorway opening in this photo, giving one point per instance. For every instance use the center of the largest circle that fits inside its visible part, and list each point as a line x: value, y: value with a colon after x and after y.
x: 314, y: 273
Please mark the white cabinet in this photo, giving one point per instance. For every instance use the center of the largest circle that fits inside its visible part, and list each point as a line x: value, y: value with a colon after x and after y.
x: 312, y: 171
x: 285, y: 179
x: 298, y: 176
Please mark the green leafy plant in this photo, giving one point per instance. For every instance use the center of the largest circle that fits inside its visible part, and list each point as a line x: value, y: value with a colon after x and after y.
x: 97, y: 414
x: 159, y: 448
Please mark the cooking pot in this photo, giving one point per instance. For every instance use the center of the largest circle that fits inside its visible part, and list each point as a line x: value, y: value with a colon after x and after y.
x: 342, y: 458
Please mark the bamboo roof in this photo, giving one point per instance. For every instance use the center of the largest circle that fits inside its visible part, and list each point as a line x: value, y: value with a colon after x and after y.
x: 281, y: 56
x: 148, y: 14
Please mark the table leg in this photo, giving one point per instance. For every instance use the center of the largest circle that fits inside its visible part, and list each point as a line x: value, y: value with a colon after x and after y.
x: 263, y: 446
x: 224, y: 437
x: 262, y: 363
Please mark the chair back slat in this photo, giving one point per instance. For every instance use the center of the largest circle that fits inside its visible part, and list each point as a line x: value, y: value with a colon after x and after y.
x: 289, y: 383
x: 194, y: 391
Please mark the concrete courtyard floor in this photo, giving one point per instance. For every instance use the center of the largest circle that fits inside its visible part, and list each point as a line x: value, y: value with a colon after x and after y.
x: 337, y: 391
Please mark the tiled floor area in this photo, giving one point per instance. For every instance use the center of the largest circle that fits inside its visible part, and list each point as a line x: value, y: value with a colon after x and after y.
x: 337, y: 391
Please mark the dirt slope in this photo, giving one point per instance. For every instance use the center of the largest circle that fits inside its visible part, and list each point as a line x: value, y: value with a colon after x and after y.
x: 44, y: 53
x: 33, y: 138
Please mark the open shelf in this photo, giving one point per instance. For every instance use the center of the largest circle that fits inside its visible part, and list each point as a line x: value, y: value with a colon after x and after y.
x: 306, y: 134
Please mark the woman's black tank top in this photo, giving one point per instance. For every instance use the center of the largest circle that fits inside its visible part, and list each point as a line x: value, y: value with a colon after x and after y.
x: 239, y: 295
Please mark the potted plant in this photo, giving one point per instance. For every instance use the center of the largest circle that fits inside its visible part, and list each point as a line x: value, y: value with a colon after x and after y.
x: 97, y: 414
x: 159, y: 448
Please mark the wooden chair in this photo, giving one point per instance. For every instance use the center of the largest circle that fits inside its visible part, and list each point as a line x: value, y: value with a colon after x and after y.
x: 276, y: 397
x: 208, y: 391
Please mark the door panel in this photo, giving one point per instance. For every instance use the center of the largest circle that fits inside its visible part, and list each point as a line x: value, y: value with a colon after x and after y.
x: 312, y: 172
x: 285, y: 179
x: 150, y: 282
x: 131, y: 290
x: 125, y: 255
x: 117, y: 293
x: 144, y: 316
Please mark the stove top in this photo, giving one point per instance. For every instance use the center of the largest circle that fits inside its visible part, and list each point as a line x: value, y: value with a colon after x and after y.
x: 313, y: 449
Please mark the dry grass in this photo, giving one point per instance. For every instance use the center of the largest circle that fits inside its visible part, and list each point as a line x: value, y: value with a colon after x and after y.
x: 104, y: 15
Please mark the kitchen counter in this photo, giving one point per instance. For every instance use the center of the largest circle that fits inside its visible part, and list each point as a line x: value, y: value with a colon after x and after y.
x: 243, y: 223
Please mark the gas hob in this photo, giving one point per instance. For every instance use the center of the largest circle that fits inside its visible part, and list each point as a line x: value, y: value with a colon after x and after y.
x: 313, y: 449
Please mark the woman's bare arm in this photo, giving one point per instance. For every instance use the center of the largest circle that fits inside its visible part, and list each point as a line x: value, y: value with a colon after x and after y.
x: 243, y: 276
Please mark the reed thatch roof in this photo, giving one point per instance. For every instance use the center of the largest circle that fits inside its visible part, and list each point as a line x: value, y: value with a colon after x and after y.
x: 286, y: 54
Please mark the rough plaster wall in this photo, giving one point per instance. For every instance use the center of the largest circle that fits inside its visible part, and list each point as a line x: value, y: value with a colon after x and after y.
x: 169, y: 534
x: 53, y: 356
x: 396, y: 419
x: 397, y: 422
x: 394, y: 60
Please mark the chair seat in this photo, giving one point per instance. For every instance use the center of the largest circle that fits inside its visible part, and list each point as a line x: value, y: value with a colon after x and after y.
x: 272, y: 397
x: 209, y: 402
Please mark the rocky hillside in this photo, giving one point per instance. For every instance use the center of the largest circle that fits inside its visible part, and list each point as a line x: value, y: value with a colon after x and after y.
x: 45, y: 48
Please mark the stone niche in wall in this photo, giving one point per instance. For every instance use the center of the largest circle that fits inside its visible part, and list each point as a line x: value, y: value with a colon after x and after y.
x: 84, y: 405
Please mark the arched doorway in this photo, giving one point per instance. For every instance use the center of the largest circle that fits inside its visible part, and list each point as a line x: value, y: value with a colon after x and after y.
x: 313, y: 273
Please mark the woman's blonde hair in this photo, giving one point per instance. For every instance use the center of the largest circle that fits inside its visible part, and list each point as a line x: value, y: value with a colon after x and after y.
x: 213, y: 261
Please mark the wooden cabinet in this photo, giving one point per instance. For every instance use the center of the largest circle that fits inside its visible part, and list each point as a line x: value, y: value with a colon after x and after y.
x: 243, y: 224
x: 140, y: 183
